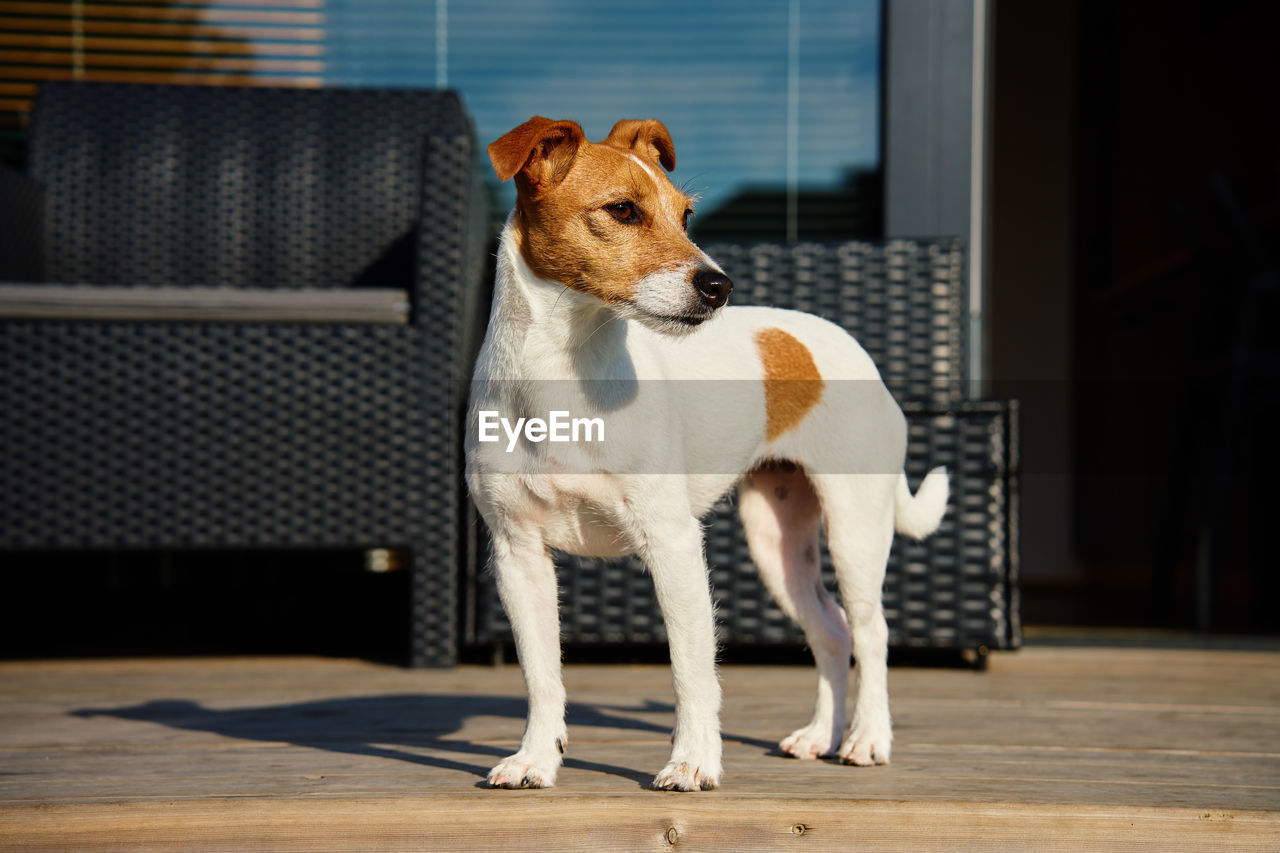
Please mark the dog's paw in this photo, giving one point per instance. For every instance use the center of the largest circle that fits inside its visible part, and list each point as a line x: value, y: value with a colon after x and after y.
x: 809, y: 742
x: 519, y: 771
x: 683, y: 776
x: 866, y: 746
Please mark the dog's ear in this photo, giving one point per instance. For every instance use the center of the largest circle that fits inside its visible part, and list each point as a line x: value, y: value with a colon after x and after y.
x: 540, y: 149
x: 647, y: 137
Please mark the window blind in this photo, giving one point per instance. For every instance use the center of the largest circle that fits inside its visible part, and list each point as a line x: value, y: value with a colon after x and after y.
x: 221, y: 42
x: 774, y: 105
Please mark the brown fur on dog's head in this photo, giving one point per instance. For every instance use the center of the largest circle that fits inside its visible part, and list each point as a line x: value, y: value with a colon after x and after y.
x: 596, y: 216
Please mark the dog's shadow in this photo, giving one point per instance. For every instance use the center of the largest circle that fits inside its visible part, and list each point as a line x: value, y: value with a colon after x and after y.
x: 390, y: 726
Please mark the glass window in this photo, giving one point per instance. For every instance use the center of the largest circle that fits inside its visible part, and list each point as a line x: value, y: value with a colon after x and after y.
x: 774, y: 105
x: 220, y: 42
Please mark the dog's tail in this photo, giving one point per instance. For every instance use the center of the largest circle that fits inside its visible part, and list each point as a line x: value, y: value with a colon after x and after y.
x: 920, y: 515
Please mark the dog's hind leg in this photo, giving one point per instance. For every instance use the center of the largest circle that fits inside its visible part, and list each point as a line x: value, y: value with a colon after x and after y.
x: 859, y: 509
x: 781, y: 515
x: 527, y: 586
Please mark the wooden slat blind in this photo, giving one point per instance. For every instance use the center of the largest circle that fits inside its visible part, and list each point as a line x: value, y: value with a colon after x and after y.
x: 217, y: 42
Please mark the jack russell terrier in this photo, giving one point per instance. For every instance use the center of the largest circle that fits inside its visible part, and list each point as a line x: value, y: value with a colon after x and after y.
x: 599, y: 293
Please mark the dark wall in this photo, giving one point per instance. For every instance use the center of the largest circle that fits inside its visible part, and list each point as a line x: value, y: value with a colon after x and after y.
x: 1136, y: 168
x: 1029, y: 317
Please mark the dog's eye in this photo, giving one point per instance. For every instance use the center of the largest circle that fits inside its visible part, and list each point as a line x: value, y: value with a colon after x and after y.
x: 684, y: 222
x: 625, y: 212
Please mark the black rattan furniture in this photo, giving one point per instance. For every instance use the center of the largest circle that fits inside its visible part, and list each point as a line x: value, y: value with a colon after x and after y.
x: 906, y: 302
x: 276, y: 295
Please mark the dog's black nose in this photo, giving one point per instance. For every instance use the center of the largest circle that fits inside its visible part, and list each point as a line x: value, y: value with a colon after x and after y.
x: 714, y: 287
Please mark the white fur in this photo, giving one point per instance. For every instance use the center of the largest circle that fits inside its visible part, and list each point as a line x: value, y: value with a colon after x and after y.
x: 672, y: 449
x: 643, y: 165
x: 671, y: 212
x: 919, y: 516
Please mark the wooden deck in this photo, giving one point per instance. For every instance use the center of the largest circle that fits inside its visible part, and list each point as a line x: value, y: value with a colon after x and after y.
x: 1052, y: 748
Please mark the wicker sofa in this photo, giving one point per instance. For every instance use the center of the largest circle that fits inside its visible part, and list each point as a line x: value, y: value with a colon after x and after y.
x: 250, y: 326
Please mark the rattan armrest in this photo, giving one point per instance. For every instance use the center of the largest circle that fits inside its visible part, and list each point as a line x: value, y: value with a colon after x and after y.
x: 203, y: 304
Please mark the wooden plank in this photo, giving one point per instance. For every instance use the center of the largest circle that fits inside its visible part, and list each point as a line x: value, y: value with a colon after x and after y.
x: 533, y: 821
x: 89, y: 11
x: 1053, y: 749
x: 180, y: 46
x: 23, y: 89
x: 389, y: 765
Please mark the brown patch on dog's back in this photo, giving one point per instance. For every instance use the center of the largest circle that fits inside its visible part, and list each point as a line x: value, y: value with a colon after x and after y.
x: 792, y: 384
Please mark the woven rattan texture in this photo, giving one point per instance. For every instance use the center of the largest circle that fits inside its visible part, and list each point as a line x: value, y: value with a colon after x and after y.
x: 209, y: 435
x: 182, y: 435
x: 953, y: 590
x: 450, y: 233
x: 905, y: 301
x: 178, y: 185
x: 21, y: 257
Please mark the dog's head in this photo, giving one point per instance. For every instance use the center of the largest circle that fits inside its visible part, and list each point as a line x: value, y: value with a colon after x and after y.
x: 604, y: 219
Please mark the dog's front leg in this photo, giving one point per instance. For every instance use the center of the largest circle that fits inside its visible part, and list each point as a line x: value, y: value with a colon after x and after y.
x: 675, y: 560
x: 527, y: 585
